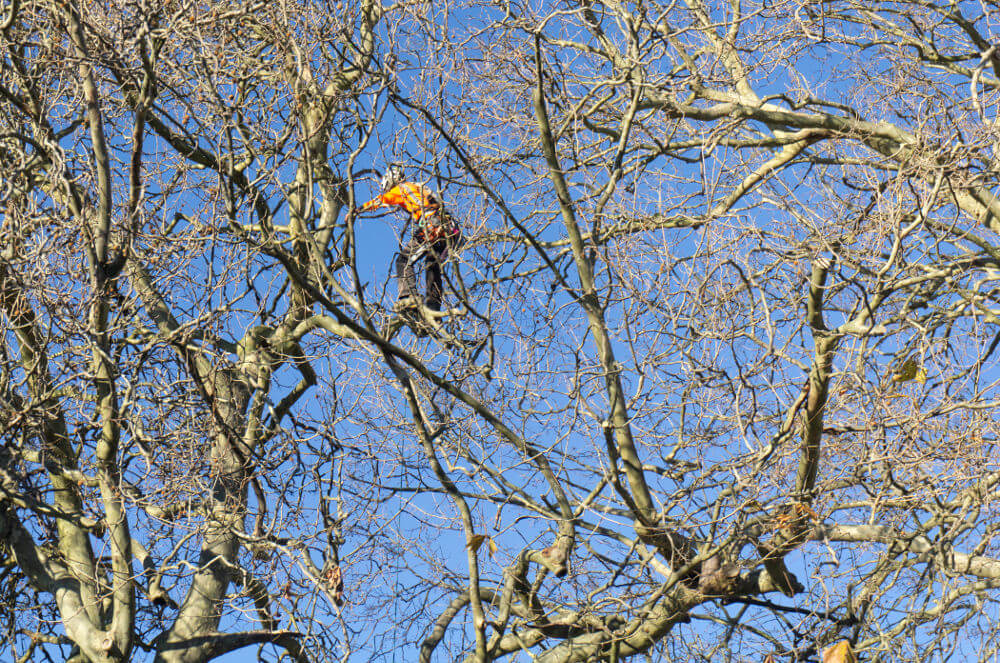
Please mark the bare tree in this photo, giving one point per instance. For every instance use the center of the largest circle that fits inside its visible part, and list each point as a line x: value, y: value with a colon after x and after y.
x: 715, y: 380
x: 161, y: 161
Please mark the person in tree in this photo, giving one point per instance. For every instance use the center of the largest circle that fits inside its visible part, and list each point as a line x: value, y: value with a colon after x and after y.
x: 434, y: 232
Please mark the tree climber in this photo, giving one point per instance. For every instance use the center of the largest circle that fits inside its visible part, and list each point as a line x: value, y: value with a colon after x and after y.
x: 434, y: 233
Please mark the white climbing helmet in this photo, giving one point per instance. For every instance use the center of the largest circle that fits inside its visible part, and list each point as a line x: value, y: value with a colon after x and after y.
x: 393, y: 176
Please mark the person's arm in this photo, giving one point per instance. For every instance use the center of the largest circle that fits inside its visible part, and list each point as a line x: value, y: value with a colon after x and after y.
x: 393, y: 196
x: 374, y: 203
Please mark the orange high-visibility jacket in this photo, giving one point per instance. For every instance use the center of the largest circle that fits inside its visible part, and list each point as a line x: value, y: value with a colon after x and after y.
x: 415, y: 198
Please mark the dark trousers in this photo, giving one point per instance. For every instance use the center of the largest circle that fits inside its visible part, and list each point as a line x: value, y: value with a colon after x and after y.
x: 433, y: 255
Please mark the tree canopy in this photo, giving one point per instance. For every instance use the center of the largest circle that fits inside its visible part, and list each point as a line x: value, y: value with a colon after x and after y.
x: 716, y: 379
